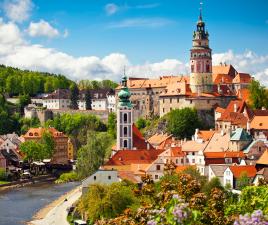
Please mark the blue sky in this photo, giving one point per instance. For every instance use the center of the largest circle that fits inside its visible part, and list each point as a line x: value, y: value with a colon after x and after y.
x: 139, y: 32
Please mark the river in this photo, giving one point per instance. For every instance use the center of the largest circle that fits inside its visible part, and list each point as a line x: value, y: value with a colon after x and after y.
x: 17, y: 206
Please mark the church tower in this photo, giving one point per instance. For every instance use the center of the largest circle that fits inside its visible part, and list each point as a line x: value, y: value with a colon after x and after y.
x: 124, y: 118
x: 201, y: 60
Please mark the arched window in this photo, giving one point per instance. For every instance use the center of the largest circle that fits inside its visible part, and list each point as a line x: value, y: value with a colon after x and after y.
x: 125, y: 131
x: 198, y: 67
x: 125, y: 143
x: 125, y: 117
x: 207, y: 68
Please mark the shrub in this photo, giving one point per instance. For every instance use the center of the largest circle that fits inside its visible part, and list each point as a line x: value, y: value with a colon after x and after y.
x: 3, y: 175
x: 67, y: 177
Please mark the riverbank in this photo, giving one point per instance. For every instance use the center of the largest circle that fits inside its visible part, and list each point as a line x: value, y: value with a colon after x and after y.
x: 56, y: 211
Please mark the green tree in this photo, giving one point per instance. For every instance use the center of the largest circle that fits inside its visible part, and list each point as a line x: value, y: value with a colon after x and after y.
x: 183, y: 122
x: 103, y: 201
x: 34, y: 151
x: 213, y: 183
x: 48, y: 143
x: 74, y: 96
x: 92, y: 155
x: 88, y: 100
x: 24, y: 100
x: 142, y: 123
x: 243, y: 181
x: 111, y: 125
x: 26, y: 124
x: 258, y: 95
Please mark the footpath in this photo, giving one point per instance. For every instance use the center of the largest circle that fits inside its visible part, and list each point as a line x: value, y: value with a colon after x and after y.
x: 56, y: 212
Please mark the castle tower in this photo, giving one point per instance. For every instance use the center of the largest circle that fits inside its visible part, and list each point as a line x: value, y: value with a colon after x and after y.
x: 201, y: 60
x: 124, y: 118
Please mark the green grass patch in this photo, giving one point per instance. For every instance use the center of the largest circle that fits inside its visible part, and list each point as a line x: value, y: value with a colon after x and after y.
x: 67, y: 177
x: 4, y: 182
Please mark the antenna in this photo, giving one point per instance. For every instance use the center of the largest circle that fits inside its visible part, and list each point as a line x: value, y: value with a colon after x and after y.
x: 124, y: 70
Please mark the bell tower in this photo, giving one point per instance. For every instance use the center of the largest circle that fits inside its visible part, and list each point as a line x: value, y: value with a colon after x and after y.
x: 201, y: 60
x: 124, y: 118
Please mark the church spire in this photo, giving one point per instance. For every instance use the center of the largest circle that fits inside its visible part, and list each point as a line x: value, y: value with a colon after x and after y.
x: 200, y: 14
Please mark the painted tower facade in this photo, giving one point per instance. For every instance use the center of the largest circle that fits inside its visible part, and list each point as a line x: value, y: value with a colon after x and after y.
x: 201, y: 60
x: 124, y: 118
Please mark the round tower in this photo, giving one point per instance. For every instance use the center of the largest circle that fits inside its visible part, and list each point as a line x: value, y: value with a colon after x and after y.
x: 201, y: 60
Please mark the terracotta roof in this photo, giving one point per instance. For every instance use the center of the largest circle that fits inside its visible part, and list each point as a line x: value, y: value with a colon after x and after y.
x: 205, y: 134
x: 242, y: 78
x: 243, y: 94
x: 239, y: 170
x: 173, y: 152
x: 127, y: 157
x: 176, y: 88
x: 139, y: 141
x: 128, y: 175
x: 222, y: 79
x: 139, y: 169
x: 218, y: 143
x: 193, y: 146
x: 162, y: 82
x: 224, y: 69
x: 260, y: 112
x: 157, y: 139
x: 37, y: 132
x: 259, y: 123
x: 180, y: 169
x: 227, y: 154
x: 219, y: 110
x: 263, y: 159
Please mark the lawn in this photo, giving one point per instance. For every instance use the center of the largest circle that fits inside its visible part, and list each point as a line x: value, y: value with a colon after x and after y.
x: 3, y: 182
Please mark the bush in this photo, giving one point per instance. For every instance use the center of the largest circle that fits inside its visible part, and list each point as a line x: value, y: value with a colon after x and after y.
x: 3, y: 175
x: 67, y: 177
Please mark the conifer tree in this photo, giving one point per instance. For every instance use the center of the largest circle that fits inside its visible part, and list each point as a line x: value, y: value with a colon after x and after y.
x: 74, y: 96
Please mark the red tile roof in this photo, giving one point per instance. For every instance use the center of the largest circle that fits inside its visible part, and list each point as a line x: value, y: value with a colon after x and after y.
x: 239, y: 170
x: 259, y: 123
x: 224, y: 69
x: 127, y: 157
x: 263, y: 159
x: 214, y: 155
x: 139, y: 141
x: 37, y: 132
x: 242, y: 78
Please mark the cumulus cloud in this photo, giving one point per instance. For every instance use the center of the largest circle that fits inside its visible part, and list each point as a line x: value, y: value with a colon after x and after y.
x: 42, y: 29
x: 18, y: 10
x: 248, y: 62
x: 16, y: 51
x: 111, y: 8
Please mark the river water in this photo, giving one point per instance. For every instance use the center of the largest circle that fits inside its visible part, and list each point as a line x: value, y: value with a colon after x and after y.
x: 17, y: 206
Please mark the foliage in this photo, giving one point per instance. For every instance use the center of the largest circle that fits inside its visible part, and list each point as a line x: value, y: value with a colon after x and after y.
x: 258, y: 95
x: 37, y: 151
x: 23, y: 101
x: 67, y: 177
x: 213, y: 183
x: 93, y: 84
x: 103, y: 201
x: 111, y: 125
x: 17, y: 82
x: 26, y: 124
x: 3, y: 175
x: 142, y: 123
x: 91, y: 156
x: 77, y: 126
x: 243, y: 181
x: 74, y: 96
x: 256, y: 217
x: 88, y: 100
x: 183, y: 122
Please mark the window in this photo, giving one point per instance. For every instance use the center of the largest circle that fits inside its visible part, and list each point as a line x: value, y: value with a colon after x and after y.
x: 208, y: 101
x: 187, y: 160
x: 170, y: 109
x: 259, y: 149
x: 156, y: 177
x: 193, y: 160
x: 178, y: 100
x: 191, y: 101
x: 170, y: 100
x: 198, y: 67
x: 125, y: 143
x: 228, y: 160
x: 109, y: 177
x: 95, y: 177
x: 182, y: 161
x: 125, y: 131
x: 207, y: 68
x: 193, y: 153
x: 163, y: 110
x: 125, y: 117
x: 177, y: 161
x: 158, y: 167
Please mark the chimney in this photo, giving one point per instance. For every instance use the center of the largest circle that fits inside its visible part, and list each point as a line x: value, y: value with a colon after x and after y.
x: 235, y: 107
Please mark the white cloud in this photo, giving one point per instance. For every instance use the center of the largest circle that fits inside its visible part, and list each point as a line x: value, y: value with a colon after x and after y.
x: 141, y: 22
x: 18, y: 10
x: 16, y: 51
x: 42, y: 29
x: 248, y: 62
x: 111, y: 8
